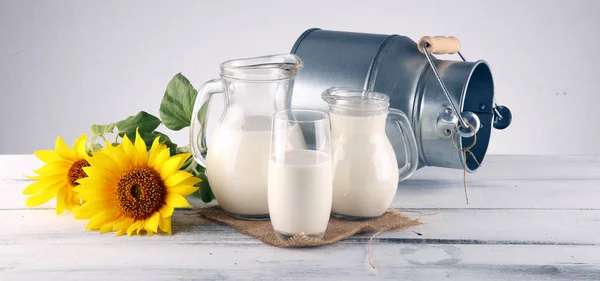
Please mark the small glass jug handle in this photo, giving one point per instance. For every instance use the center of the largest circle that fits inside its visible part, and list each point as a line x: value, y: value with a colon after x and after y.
x: 410, y: 144
x: 199, y: 121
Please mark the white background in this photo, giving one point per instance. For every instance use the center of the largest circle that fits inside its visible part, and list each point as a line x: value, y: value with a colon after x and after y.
x: 65, y: 65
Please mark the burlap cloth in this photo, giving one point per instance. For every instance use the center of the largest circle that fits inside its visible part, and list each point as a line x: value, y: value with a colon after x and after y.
x: 337, y: 229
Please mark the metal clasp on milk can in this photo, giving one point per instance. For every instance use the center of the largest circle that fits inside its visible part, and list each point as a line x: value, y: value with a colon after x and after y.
x: 469, y: 123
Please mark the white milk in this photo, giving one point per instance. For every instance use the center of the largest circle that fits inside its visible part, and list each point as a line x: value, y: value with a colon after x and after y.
x: 364, y: 165
x: 300, y: 192
x: 237, y: 163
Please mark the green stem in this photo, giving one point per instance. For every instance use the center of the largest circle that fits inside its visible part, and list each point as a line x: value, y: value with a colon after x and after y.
x: 90, y: 144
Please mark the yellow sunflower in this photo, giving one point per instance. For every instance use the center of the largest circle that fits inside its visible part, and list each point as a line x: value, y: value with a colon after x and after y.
x: 129, y: 190
x: 64, y: 166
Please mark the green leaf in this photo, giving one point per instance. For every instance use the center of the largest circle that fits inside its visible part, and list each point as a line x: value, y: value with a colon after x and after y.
x: 202, y: 113
x: 102, y: 130
x: 146, y: 123
x: 205, y: 192
x: 177, y: 103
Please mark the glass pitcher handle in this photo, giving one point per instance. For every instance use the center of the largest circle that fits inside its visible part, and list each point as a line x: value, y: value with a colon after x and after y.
x: 410, y: 144
x: 199, y: 119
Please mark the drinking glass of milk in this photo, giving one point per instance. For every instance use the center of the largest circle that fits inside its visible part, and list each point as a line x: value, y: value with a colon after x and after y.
x: 365, y: 167
x: 237, y: 157
x: 300, y: 175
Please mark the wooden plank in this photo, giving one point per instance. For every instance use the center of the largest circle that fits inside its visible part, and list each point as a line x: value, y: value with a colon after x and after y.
x: 551, y: 227
x: 468, y: 226
x: 427, y: 193
x: 499, y: 194
x: 137, y: 258
x: 525, y: 167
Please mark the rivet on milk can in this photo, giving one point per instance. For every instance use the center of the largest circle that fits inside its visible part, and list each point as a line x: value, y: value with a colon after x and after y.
x: 443, y: 99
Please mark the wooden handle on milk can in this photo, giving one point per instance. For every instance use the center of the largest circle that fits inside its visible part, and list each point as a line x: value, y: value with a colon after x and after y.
x: 440, y: 45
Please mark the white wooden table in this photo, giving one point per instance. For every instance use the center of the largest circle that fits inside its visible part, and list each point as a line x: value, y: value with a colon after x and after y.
x: 529, y: 218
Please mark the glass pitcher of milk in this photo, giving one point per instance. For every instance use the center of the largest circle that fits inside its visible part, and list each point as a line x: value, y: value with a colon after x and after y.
x: 237, y: 157
x: 365, y: 168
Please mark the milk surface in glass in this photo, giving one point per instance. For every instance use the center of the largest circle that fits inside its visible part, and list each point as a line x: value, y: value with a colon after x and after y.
x: 300, y: 193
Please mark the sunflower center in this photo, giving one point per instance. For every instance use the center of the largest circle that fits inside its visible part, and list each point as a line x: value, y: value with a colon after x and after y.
x: 140, y: 193
x: 136, y: 191
x: 76, y: 171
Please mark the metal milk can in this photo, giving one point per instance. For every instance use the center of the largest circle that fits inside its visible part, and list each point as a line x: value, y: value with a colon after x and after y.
x: 449, y: 103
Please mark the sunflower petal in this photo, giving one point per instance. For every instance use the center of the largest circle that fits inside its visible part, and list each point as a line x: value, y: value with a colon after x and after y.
x: 169, y: 168
x: 80, y: 147
x: 177, y: 178
x: 90, y: 208
x: 165, y: 225
x: 190, y: 181
x: 44, y: 183
x: 97, y: 189
x: 55, y: 168
x: 182, y: 158
x: 42, y: 197
x: 183, y: 190
x: 48, y: 156
x: 152, y: 222
x: 107, y: 227
x: 172, y: 165
x: 140, y: 146
x: 123, y: 223
x: 121, y: 161
x: 161, y: 157
x: 98, y: 172
x: 103, y: 162
x: 121, y: 232
x: 61, y: 198
x: 166, y: 211
x: 130, y: 151
x: 63, y: 150
x: 101, y: 219
x: 154, y: 150
x: 133, y: 227
x: 108, y: 156
x: 177, y: 201
x: 73, y: 202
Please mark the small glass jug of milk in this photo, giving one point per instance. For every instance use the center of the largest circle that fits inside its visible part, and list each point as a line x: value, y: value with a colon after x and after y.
x: 365, y: 168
